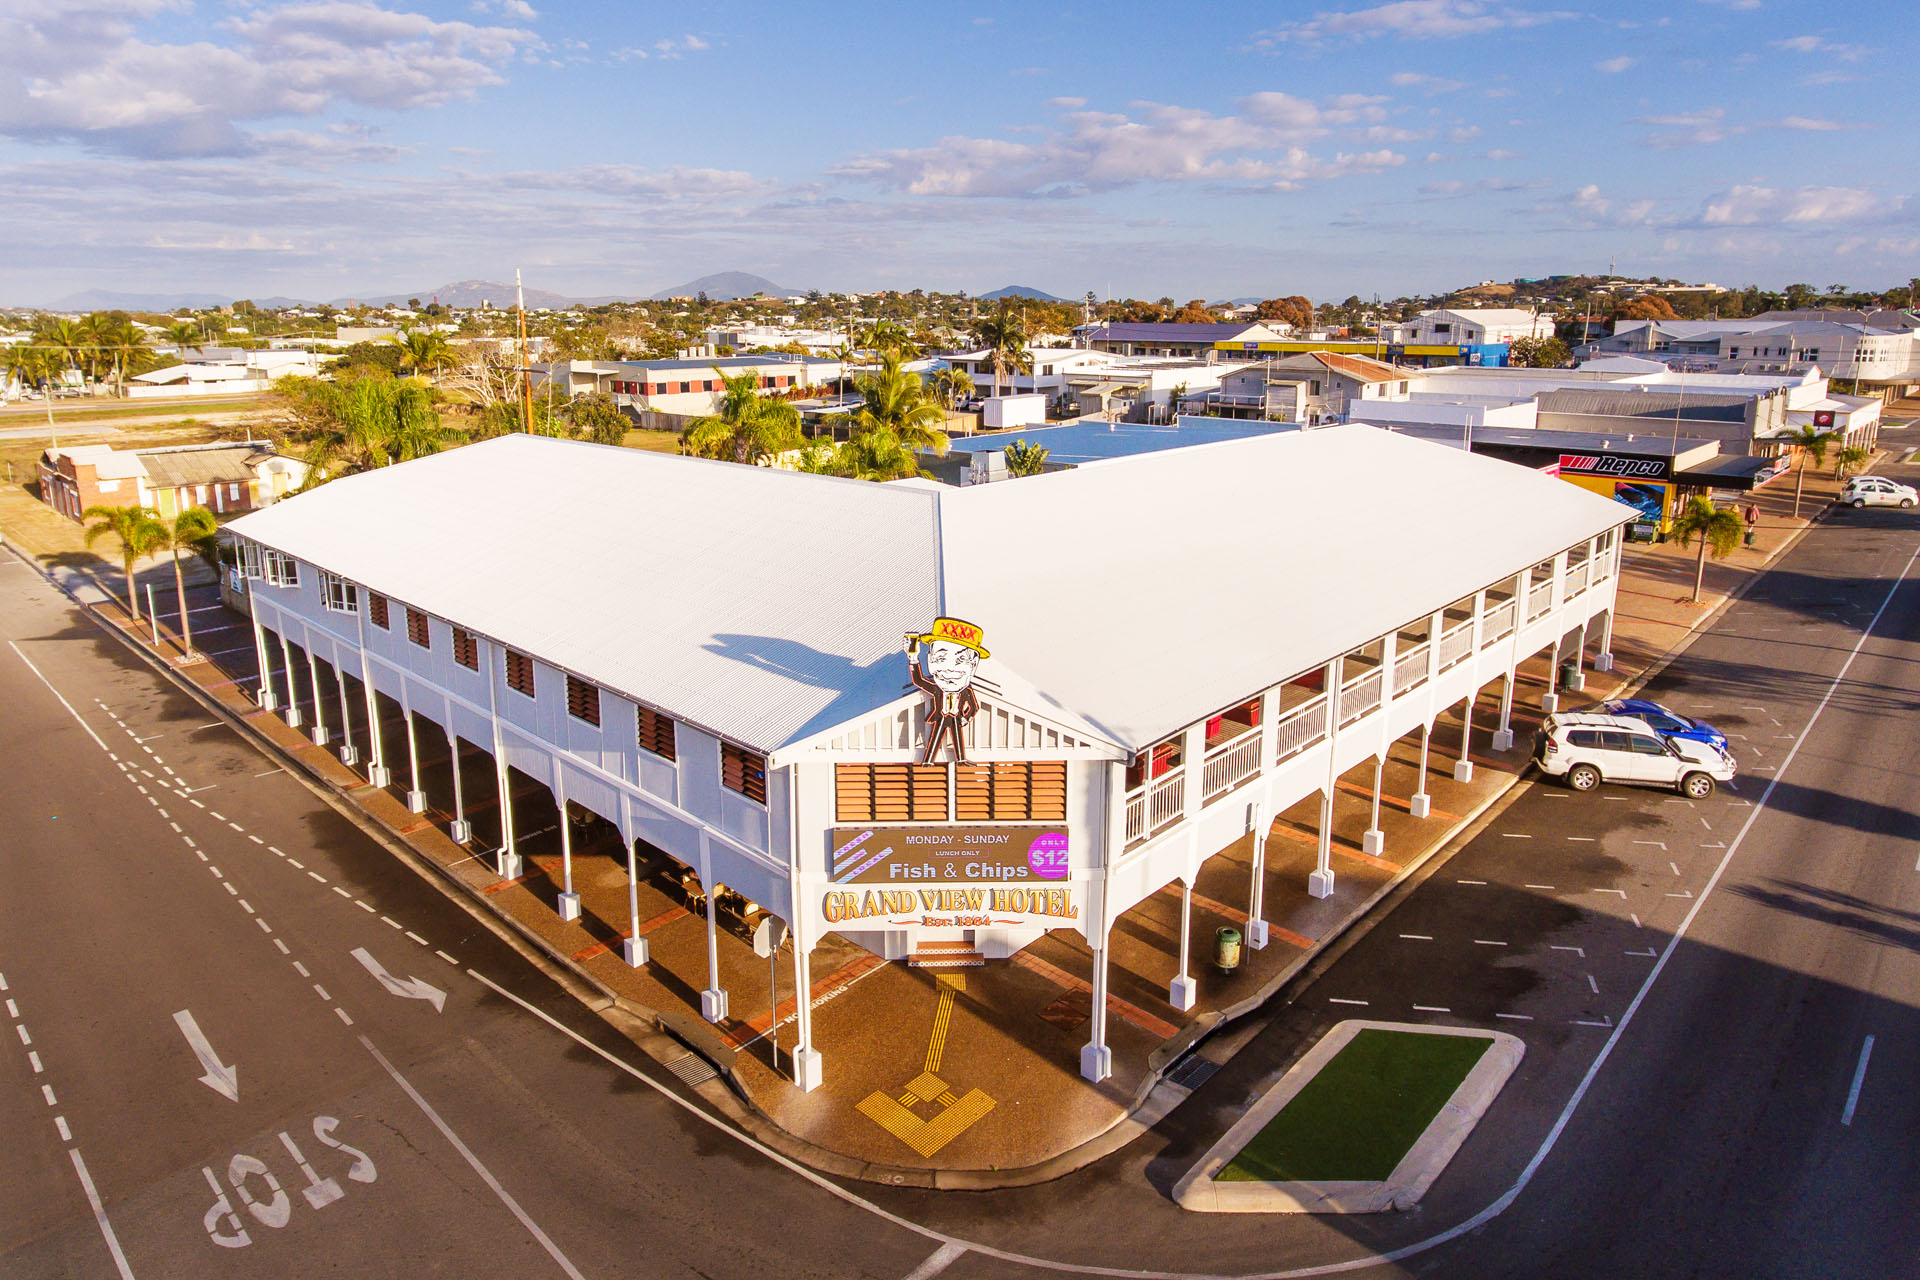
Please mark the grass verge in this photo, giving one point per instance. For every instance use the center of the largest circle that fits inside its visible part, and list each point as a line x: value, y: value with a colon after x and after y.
x: 1356, y: 1119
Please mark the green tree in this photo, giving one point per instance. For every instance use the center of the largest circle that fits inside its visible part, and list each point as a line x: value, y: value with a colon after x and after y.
x: 1849, y: 459
x: 1025, y: 459
x: 951, y: 385
x: 595, y: 417
x: 189, y: 530
x: 1812, y: 444
x: 139, y: 532
x: 897, y: 401
x: 1006, y: 343
x: 1718, y: 531
x: 65, y: 340
x: 372, y: 422
x: 885, y: 336
x: 1539, y: 353
x: 423, y: 350
x: 749, y: 428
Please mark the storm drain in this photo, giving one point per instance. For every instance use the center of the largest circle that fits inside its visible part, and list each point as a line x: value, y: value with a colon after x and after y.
x: 691, y: 1069
x: 1192, y: 1073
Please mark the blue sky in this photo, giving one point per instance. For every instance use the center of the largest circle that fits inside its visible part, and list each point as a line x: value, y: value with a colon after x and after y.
x: 1330, y: 147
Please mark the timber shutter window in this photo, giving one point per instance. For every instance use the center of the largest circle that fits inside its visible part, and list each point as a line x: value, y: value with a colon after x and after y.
x: 583, y: 700
x: 519, y: 672
x: 417, y: 628
x: 655, y: 732
x: 743, y: 771
x: 377, y: 611
x: 890, y: 792
x: 466, y: 650
x: 1016, y: 791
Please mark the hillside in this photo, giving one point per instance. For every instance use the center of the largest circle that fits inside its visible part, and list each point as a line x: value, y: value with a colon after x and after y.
x: 724, y: 286
x: 462, y: 293
x: 1019, y: 291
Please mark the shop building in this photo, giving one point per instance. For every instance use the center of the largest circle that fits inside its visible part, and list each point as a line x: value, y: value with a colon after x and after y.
x: 918, y: 716
x: 225, y: 477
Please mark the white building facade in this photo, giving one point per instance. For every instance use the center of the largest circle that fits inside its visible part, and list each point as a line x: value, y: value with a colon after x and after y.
x: 744, y: 698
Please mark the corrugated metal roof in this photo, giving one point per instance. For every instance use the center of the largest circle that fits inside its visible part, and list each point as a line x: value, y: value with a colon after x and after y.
x: 758, y: 604
x: 169, y: 468
x: 1162, y: 331
x: 1642, y: 401
x: 767, y: 606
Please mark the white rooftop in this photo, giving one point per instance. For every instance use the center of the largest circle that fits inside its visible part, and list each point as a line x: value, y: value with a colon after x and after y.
x: 767, y: 606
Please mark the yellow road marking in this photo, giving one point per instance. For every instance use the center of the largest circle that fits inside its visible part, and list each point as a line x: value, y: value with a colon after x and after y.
x: 942, y: 1019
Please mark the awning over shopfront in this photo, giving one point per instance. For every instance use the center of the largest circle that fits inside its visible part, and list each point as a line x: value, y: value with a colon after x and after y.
x: 1739, y: 473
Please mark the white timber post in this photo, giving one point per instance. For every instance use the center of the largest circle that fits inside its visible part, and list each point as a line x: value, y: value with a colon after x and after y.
x: 461, y: 831
x: 416, y: 796
x: 292, y: 716
x: 264, y: 695
x: 1096, y: 1055
x: 349, y: 754
x: 1182, y: 991
x: 1320, y: 879
x: 509, y: 867
x: 807, y: 1066
x: 569, y: 900
x: 377, y: 770
x: 319, y: 714
x: 713, y: 1001
x: 1420, y: 804
x: 1259, y: 824
x: 634, y: 949
x: 1374, y: 840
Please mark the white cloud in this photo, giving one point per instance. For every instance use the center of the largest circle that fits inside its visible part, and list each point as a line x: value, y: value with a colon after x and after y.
x: 1809, y: 124
x: 1820, y: 45
x: 1689, y: 128
x: 1614, y: 66
x: 1747, y: 206
x: 1410, y: 20
x: 1157, y: 142
x: 1066, y: 104
x: 672, y: 48
x: 1741, y: 5
x: 1426, y: 83
x: 83, y: 75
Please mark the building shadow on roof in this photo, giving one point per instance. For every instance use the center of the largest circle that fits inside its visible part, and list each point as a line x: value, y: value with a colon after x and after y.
x: 856, y: 687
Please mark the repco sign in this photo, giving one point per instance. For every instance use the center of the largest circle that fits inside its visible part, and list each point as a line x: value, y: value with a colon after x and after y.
x: 1608, y: 464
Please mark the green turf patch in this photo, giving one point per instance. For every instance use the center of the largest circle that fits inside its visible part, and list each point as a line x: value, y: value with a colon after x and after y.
x: 1356, y: 1119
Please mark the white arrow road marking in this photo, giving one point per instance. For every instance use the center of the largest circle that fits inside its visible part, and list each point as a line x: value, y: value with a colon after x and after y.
x: 220, y: 1078
x: 412, y: 988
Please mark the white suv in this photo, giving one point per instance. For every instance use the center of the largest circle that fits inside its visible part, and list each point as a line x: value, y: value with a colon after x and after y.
x: 1585, y: 749
x: 1877, y: 491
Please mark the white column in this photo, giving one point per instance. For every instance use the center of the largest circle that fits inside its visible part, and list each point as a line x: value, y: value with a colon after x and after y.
x: 569, y: 900
x: 635, y: 948
x: 319, y: 715
x: 1603, y: 661
x: 416, y: 797
x: 1463, y: 768
x: 264, y: 695
x: 1320, y: 879
x: 713, y: 1001
x: 1096, y: 1055
x: 292, y: 716
x: 1420, y: 804
x: 349, y: 755
x: 1183, y: 990
x: 807, y: 1066
x: 377, y: 772
x: 1257, y: 930
x: 1193, y: 751
x: 1503, y: 736
x: 509, y: 867
x: 1375, y: 840
x: 461, y: 831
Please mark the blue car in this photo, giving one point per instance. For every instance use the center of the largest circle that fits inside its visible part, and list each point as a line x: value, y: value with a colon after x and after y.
x: 1664, y: 721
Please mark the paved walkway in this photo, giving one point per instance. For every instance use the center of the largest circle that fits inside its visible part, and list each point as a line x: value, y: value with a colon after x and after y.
x: 972, y: 1072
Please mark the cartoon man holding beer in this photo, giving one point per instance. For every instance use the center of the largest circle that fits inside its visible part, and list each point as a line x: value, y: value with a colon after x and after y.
x: 952, y: 653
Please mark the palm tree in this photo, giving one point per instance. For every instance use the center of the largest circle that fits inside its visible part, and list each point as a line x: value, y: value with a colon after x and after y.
x: 37, y: 367
x: 845, y: 355
x: 896, y: 401
x: 62, y: 339
x: 1006, y: 343
x: 426, y: 350
x: 375, y: 422
x: 139, y: 532
x: 749, y: 427
x: 876, y: 454
x: 886, y: 335
x: 1812, y: 443
x: 1719, y: 533
x: 1851, y: 458
x: 184, y: 334
x: 188, y: 531
x: 951, y: 384
x: 1024, y: 459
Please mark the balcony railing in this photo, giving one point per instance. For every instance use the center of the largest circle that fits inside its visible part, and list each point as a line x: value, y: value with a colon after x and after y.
x: 1161, y: 803
x: 1360, y: 695
x: 1499, y: 621
x: 1456, y: 643
x: 1409, y: 669
x: 1230, y: 764
x: 1577, y: 578
x: 1539, y: 599
x: 1300, y: 728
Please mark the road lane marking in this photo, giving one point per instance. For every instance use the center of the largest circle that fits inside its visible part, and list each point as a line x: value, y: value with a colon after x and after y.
x: 337, y: 889
x: 46, y: 1091
x: 1470, y: 882
x: 1537, y: 886
x: 444, y: 956
x: 416, y: 937
x: 1594, y: 986
x: 1432, y: 1008
x: 24, y: 1037
x: 1418, y: 937
x: 301, y: 969
x: 99, y: 1211
x: 1859, y: 1078
x: 1648, y: 954
x: 60, y: 1124
x: 34, y: 1059
x: 1621, y: 892
x: 63, y: 702
x: 1579, y: 951
x: 1514, y: 835
x: 1515, y: 1017
x: 1487, y: 942
x: 486, y: 1175
x: 343, y: 1015
x: 1342, y: 1000
x: 937, y: 1261
x: 13, y: 1010
x: 1635, y: 917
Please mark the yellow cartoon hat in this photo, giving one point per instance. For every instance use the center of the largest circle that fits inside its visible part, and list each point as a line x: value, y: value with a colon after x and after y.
x: 958, y: 632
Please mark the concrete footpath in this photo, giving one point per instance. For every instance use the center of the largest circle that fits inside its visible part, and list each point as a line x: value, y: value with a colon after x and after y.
x: 963, y: 1077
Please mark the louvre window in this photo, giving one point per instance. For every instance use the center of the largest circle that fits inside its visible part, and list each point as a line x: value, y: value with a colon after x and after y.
x: 466, y: 649
x: 655, y: 732
x: 417, y: 628
x: 1015, y: 791
x: 339, y: 595
x: 583, y: 700
x: 743, y: 771
x: 377, y: 611
x: 519, y: 673
x: 890, y: 792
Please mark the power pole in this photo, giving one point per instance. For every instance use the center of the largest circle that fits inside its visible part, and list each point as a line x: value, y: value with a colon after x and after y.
x: 526, y: 370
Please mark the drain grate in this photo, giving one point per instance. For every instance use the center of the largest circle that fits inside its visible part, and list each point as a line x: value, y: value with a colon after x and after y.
x: 692, y: 1069
x: 1192, y: 1073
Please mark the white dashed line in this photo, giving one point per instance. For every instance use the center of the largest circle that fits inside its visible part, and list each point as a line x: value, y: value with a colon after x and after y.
x: 1594, y: 985
x: 1418, y: 937
x: 321, y: 992
x: 1339, y: 1000
x: 46, y: 1091
x: 34, y: 1058
x: 1432, y: 1008
x: 264, y: 926
x: 1516, y: 1017
x: 60, y: 1123
x: 444, y: 956
x: 1537, y: 886
x: 301, y: 969
x: 363, y: 906
x: 1487, y: 942
x: 317, y: 876
x: 1470, y: 882
x: 1579, y: 951
x: 343, y: 1016
x: 416, y: 937
x: 390, y: 920
x: 337, y: 889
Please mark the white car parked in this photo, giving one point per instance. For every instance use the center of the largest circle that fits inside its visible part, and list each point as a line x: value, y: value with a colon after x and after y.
x: 1877, y: 491
x: 1586, y: 749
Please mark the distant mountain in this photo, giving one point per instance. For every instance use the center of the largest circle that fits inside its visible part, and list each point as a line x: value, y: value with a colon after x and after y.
x: 725, y: 286
x: 108, y: 300
x: 462, y: 293
x: 1019, y: 291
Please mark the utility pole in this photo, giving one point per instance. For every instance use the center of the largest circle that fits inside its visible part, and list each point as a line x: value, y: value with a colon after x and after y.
x: 526, y: 370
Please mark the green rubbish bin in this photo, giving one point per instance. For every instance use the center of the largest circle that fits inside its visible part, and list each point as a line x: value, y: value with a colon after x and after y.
x: 1226, y: 948
x: 1571, y: 678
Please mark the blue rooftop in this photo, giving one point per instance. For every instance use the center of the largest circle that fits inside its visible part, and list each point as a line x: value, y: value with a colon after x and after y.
x: 1081, y: 442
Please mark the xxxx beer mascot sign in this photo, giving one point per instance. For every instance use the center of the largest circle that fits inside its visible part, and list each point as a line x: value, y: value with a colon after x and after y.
x: 942, y: 662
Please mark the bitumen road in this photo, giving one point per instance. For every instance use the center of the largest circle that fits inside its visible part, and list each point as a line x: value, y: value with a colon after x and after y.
x: 1716, y: 999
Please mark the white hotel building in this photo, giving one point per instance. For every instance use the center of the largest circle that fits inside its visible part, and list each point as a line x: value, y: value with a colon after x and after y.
x: 710, y: 657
